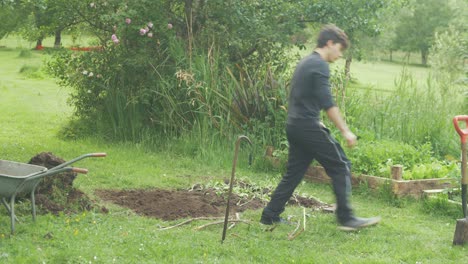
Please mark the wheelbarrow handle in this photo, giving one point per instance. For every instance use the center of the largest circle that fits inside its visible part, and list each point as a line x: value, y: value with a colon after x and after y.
x: 56, y: 171
x: 63, y: 165
x: 463, y: 132
x: 101, y: 154
x: 79, y: 170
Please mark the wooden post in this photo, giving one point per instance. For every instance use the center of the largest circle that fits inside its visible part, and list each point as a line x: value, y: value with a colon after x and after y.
x: 397, y: 172
x: 461, y: 232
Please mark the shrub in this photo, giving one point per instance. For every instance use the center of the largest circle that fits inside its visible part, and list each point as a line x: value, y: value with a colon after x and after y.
x: 160, y: 72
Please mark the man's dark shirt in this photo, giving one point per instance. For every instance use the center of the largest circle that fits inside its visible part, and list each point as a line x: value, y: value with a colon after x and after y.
x: 310, y: 90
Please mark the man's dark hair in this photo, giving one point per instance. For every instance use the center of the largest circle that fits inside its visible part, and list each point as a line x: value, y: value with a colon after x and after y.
x: 333, y: 33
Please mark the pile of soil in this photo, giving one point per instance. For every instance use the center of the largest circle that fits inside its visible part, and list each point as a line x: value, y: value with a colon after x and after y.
x: 55, y: 193
x: 176, y: 204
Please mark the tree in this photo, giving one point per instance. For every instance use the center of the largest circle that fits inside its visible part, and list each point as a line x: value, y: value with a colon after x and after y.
x: 35, y: 20
x: 12, y: 14
x: 418, y: 24
x: 356, y: 17
x: 449, y: 54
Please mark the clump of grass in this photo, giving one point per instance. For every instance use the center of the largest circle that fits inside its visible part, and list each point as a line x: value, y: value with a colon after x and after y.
x: 25, y: 53
x: 32, y: 72
x: 440, y: 205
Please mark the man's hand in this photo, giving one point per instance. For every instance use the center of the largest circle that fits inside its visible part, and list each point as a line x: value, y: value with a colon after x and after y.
x: 335, y: 116
x: 351, y: 139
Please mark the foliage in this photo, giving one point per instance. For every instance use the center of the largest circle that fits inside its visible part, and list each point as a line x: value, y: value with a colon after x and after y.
x: 440, y: 204
x: 358, y: 18
x: 448, y: 62
x: 417, y: 25
x: 256, y: 33
x: 449, y: 54
x: 377, y: 157
x: 35, y: 20
x: 435, y: 169
x: 12, y: 14
x: 150, y: 77
x: 405, y: 115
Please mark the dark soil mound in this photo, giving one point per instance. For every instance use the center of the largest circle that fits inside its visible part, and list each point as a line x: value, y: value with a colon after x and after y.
x: 175, y: 204
x: 55, y: 193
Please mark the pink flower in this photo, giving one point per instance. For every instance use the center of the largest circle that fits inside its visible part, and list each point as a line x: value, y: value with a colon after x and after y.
x: 150, y: 24
x: 150, y: 34
x: 128, y: 21
x: 142, y: 31
x: 169, y: 26
x: 115, y: 39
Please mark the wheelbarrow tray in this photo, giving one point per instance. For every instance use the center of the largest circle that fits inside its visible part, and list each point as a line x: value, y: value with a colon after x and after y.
x: 16, y: 178
x: 14, y: 175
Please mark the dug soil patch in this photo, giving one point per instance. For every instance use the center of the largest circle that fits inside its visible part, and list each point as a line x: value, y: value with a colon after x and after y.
x: 176, y: 204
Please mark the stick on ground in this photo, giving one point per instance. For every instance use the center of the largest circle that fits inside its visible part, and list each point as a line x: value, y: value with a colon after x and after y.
x: 189, y: 221
x: 222, y: 222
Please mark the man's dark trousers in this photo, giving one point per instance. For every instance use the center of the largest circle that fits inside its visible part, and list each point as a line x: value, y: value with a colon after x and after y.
x: 308, y: 140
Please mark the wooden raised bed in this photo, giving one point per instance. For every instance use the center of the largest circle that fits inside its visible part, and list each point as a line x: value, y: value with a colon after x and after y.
x: 399, y: 186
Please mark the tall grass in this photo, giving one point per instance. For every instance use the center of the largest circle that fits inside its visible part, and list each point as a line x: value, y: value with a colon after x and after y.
x: 204, y: 98
x: 409, y: 114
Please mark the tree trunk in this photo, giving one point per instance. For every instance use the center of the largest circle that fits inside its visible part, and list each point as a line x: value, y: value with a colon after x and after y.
x: 424, y: 54
x: 189, y: 18
x: 407, y: 57
x: 58, y: 38
x: 391, y: 55
x: 348, y: 67
x: 39, y: 43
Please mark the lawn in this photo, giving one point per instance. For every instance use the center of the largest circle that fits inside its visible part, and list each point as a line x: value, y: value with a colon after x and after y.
x: 33, y: 111
x: 382, y: 75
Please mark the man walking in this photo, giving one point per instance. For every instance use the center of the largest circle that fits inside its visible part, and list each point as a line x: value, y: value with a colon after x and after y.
x: 309, y: 139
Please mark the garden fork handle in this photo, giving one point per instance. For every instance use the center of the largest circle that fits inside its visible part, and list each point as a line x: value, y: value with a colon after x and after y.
x: 464, y: 180
x: 463, y: 132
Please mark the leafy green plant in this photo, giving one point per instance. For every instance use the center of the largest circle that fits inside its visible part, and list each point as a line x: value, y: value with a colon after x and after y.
x: 435, y: 169
x: 377, y: 157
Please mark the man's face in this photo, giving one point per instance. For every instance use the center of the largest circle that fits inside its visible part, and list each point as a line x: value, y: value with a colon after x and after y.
x: 335, y: 51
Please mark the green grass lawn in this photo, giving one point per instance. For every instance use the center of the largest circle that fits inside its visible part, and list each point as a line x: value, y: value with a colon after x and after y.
x: 32, y: 112
x: 382, y: 75
x: 376, y: 74
x: 16, y: 41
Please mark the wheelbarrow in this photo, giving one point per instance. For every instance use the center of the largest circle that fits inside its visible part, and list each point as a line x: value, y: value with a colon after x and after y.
x: 461, y: 231
x: 17, y: 178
